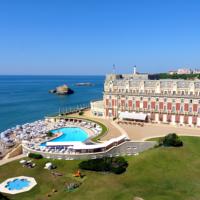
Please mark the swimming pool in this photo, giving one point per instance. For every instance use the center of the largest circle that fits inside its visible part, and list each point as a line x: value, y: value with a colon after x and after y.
x: 70, y: 134
x: 17, y: 184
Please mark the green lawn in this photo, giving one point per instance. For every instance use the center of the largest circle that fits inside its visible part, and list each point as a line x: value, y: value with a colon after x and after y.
x: 157, y: 174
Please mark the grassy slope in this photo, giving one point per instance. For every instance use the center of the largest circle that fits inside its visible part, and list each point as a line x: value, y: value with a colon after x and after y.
x: 157, y: 174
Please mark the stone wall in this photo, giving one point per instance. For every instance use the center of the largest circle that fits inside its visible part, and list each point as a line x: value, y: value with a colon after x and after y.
x: 126, y: 148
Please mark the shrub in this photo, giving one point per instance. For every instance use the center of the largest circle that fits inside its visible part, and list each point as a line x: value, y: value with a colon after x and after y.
x: 171, y: 140
x: 2, y: 197
x: 35, y: 155
x: 49, y: 134
x: 116, y: 165
x: 81, y: 113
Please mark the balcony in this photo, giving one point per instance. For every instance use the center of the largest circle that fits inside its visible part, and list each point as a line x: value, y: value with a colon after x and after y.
x: 153, y: 94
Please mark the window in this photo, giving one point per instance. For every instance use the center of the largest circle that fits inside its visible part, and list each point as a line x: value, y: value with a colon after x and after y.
x: 157, y: 99
x: 173, y: 109
x: 165, y: 99
x: 190, y: 100
x: 182, y: 100
x: 190, y: 109
x: 181, y: 108
x: 174, y: 92
x: 156, y: 107
x: 173, y: 100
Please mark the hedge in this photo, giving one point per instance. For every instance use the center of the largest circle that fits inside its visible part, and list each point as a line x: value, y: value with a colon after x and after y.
x: 35, y: 155
x: 116, y: 165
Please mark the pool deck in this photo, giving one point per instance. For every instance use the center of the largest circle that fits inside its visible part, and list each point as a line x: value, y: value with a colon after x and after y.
x: 113, y: 131
x: 3, y: 188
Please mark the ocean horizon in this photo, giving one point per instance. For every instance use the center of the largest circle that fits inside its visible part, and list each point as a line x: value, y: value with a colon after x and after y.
x: 25, y: 98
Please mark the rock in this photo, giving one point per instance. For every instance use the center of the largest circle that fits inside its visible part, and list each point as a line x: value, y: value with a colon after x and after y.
x: 138, y: 198
x: 62, y: 90
x: 72, y: 186
x: 85, y: 84
x: 52, y: 91
x: 48, y: 195
x: 54, y: 190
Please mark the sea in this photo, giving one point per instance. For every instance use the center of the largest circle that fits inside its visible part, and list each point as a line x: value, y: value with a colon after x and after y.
x: 26, y: 98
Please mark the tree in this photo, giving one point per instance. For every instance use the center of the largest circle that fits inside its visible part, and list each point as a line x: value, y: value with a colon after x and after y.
x: 171, y: 140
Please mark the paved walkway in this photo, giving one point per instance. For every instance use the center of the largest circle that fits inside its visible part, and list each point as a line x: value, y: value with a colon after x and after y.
x: 113, y: 131
x: 157, y: 130
x: 122, y: 131
x: 5, y: 161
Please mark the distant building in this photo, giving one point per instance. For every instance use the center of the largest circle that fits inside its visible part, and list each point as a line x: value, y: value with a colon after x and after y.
x: 196, y: 71
x: 184, y: 71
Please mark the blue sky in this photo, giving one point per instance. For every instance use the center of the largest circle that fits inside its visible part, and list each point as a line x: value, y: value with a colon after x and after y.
x: 89, y: 36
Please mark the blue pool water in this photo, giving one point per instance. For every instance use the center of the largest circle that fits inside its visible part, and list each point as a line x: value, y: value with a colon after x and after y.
x: 70, y: 134
x: 17, y: 184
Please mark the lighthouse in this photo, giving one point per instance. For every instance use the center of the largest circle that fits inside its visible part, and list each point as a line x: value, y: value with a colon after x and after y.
x: 134, y: 70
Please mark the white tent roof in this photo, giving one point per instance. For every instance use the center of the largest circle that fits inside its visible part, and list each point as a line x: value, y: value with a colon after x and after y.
x: 133, y: 115
x: 63, y: 143
x: 101, y: 145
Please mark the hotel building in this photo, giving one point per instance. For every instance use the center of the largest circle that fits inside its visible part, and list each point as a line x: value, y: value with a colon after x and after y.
x: 163, y: 101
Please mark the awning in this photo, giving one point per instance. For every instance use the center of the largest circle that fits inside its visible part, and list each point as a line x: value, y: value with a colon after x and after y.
x: 133, y: 116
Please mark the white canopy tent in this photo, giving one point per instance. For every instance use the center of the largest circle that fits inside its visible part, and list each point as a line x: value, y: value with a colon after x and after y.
x: 133, y: 116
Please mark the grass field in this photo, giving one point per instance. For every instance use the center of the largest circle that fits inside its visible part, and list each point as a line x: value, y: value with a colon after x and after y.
x: 157, y: 174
